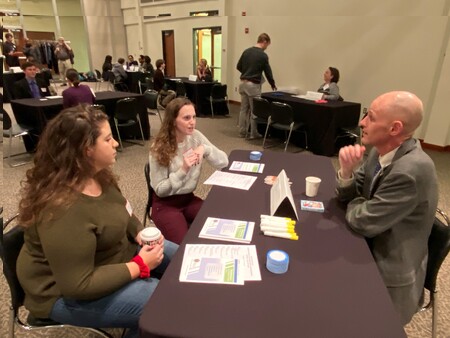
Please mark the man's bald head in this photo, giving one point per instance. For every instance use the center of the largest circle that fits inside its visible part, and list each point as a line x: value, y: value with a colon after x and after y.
x: 402, y: 106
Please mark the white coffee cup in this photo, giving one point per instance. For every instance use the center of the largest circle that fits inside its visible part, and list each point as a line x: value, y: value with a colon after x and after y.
x: 150, y: 236
x: 312, y: 185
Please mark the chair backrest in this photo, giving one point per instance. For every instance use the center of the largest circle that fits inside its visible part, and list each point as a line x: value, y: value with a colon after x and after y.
x: 6, y: 120
x: 99, y: 107
x: 261, y: 108
x: 111, y: 77
x: 150, y: 193
x: 10, y: 248
x: 438, y: 249
x: 281, y: 113
x: 219, y: 91
x: 151, y: 99
x: 98, y: 75
x: 149, y: 82
x: 126, y: 109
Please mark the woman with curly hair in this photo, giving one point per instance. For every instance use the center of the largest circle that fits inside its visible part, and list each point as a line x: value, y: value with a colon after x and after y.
x: 80, y: 263
x: 175, y: 163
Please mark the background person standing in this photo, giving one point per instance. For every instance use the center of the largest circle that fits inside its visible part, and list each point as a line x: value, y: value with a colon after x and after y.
x: 63, y: 53
x: 252, y: 63
x: 9, y: 50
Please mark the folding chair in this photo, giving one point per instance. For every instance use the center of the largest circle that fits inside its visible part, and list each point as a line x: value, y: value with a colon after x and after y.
x: 126, y: 115
x: 438, y: 249
x: 282, y: 118
x: 10, y: 247
x: 218, y: 95
x: 13, y: 130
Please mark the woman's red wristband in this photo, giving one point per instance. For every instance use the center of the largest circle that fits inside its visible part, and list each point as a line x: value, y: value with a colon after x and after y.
x: 143, y: 268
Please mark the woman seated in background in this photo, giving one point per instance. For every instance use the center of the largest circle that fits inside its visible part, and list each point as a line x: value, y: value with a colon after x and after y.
x: 330, y: 88
x: 203, y: 71
x: 76, y: 93
x: 107, y: 67
x: 147, y: 66
x: 175, y: 160
x: 80, y: 263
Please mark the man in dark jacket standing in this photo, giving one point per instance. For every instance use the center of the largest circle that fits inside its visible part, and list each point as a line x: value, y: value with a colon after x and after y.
x: 252, y: 63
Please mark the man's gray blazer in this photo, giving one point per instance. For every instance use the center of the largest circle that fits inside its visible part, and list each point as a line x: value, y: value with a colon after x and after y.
x: 395, y: 213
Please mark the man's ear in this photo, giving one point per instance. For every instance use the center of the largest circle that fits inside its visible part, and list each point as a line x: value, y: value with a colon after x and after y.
x: 396, y: 127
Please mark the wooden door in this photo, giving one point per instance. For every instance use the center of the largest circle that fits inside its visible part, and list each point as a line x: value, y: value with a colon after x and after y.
x: 168, y: 39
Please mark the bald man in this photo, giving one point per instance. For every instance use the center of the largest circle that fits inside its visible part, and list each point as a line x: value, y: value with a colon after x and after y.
x: 392, y: 197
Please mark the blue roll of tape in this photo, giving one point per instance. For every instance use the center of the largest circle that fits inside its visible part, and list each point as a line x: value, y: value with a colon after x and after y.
x: 255, y: 155
x: 277, y: 261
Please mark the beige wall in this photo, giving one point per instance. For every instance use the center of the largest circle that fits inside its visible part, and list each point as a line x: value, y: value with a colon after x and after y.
x: 377, y: 46
x: 105, y: 29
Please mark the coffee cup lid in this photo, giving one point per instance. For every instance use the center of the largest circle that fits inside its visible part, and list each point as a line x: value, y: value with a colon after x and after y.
x: 150, y: 234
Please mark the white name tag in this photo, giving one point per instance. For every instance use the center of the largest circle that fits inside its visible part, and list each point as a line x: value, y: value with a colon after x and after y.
x: 129, y: 209
x: 44, y: 90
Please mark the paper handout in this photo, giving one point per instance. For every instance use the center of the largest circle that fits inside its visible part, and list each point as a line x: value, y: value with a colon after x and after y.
x: 231, y: 180
x: 227, y: 230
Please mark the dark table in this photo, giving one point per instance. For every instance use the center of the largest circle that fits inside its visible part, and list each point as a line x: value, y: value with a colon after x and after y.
x: 10, y: 78
x: 198, y: 92
x: 332, y: 288
x: 35, y: 113
x: 322, y: 120
x: 132, y: 80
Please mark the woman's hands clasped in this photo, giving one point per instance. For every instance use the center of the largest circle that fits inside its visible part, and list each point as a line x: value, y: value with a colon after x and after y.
x: 193, y: 157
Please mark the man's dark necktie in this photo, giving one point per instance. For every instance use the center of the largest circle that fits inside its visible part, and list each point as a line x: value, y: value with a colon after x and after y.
x: 35, y: 90
x: 375, y: 172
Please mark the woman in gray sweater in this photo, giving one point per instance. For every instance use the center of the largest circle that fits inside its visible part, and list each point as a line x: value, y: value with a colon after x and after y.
x: 175, y: 164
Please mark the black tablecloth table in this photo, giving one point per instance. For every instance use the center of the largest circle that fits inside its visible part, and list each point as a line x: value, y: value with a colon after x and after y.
x: 10, y: 78
x: 132, y: 80
x: 198, y: 92
x: 322, y: 120
x: 332, y: 288
x: 36, y: 112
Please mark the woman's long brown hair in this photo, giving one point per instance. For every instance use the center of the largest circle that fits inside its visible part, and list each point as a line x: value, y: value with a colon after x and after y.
x: 61, y: 165
x: 165, y: 145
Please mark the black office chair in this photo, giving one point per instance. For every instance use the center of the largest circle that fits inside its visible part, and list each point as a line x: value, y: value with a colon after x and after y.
x: 282, y: 118
x: 117, y: 85
x: 126, y: 115
x: 218, y: 95
x: 151, y: 101
x: 10, y: 248
x: 438, y: 249
x: 13, y: 130
x: 99, y: 107
x: 142, y: 86
x: 261, y: 110
x: 150, y: 195
x: 98, y: 80
x: 149, y: 83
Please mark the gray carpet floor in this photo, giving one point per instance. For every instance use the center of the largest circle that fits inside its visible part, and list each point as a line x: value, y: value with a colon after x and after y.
x: 223, y: 132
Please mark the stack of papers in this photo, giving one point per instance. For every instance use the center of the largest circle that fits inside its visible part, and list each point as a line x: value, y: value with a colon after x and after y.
x: 220, y: 264
x: 227, y: 230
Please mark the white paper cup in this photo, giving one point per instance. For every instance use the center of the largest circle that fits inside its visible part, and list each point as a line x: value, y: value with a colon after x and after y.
x: 312, y: 185
x: 150, y: 236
